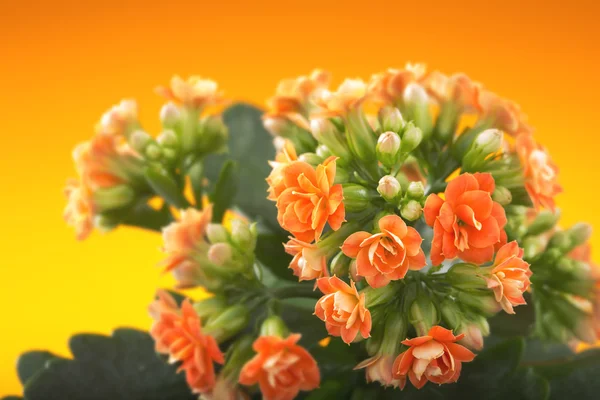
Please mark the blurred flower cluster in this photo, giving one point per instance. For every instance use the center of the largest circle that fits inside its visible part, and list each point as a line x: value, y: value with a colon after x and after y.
x: 418, y: 205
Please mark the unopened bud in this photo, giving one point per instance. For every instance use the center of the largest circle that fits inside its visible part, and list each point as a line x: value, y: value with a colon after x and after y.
x: 216, y: 233
x: 389, y: 188
x: 168, y: 139
x: 113, y: 197
x: 323, y: 152
x: 391, y: 119
x: 153, y: 151
x: 412, y: 210
x: 416, y: 101
x: 396, y: 328
x: 543, y: 222
x: 423, y: 314
x: 356, y: 197
x: 561, y: 240
x: 465, y: 276
x: 228, y: 323
x: 488, y: 141
x: 580, y: 233
x: 274, y: 326
x: 169, y: 115
x: 326, y: 133
x: 502, y: 195
x: 139, y: 140
x: 378, y: 296
x: 415, y: 190
x: 387, y: 149
x: 484, y: 302
x: 276, y: 126
x: 411, y: 138
x: 311, y: 158
x: 532, y: 246
x: 213, y: 134
x: 208, y: 307
x: 473, y: 332
x: 220, y: 254
x: 361, y: 137
x: 242, y: 234
x: 415, y: 94
x: 354, y: 272
x: 340, y: 265
x: 451, y: 313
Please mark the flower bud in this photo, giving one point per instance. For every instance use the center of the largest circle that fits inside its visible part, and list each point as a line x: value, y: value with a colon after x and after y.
x: 243, y: 235
x: 580, y: 233
x: 532, y: 246
x: 396, y: 328
x: 356, y: 197
x: 360, y: 136
x: 378, y: 296
x: 213, y: 135
x: 323, y: 152
x: 220, y: 254
x: 391, y: 119
x: 388, y: 146
x: 486, y: 143
x: 168, y: 139
x: 484, y: 303
x: 543, y: 222
x: 340, y: 265
x: 169, y: 115
x: 274, y: 326
x: 228, y: 322
x: 561, y: 240
x: 423, y: 314
x: 110, y: 198
x: 465, y: 276
x: 326, y: 133
x: 276, y: 126
x: 411, y: 138
x: 451, y: 313
x: 502, y: 195
x: 153, y: 152
x: 389, y: 188
x: 139, y: 140
x: 474, y: 332
x: 412, y: 210
x: 311, y: 158
x: 416, y: 101
x: 415, y: 190
x: 354, y: 273
x: 216, y: 233
x: 208, y: 307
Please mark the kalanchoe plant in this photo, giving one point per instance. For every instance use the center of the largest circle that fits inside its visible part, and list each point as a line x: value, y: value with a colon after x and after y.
x: 418, y: 206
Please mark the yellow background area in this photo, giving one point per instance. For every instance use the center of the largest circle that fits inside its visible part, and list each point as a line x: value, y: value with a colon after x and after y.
x: 64, y: 62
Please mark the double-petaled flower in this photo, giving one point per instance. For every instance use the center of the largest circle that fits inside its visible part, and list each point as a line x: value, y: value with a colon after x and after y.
x: 458, y: 89
x: 380, y: 369
x: 349, y: 95
x: 119, y: 119
x: 467, y: 223
x: 178, y: 333
x: 435, y: 357
x: 539, y: 170
x: 509, y: 276
x: 502, y: 113
x: 389, y: 86
x: 281, y: 367
x: 285, y: 155
x: 307, y: 198
x: 195, y: 92
x: 343, y: 309
x: 387, y: 255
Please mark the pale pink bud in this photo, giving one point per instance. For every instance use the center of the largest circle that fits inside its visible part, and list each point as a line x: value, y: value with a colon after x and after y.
x: 389, y: 188
x: 220, y: 254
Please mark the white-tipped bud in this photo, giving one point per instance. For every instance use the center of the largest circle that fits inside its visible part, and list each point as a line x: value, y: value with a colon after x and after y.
x: 502, y: 195
x: 389, y: 188
x: 326, y: 133
x: 220, y: 254
x: 139, y: 140
x: 489, y: 141
x: 412, y: 210
x: 243, y: 235
x: 411, y: 138
x: 168, y: 139
x: 216, y: 233
x: 391, y: 119
x: 387, y: 148
x: 415, y: 190
x: 311, y: 158
x: 169, y: 114
x: 415, y: 94
x: 276, y: 126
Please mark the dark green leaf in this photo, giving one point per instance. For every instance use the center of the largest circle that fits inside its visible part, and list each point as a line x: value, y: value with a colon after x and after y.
x: 32, y: 362
x: 270, y: 251
x: 298, y: 320
x: 511, y: 325
x: 225, y: 190
x: 123, y: 366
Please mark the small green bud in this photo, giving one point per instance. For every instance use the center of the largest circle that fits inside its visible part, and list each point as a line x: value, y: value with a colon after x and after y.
x: 311, y: 158
x: 242, y: 235
x: 340, y: 265
x: 208, y: 307
x: 415, y: 190
x: 220, y: 254
x: 412, y: 210
x: 451, y: 313
x: 416, y: 101
x: 110, y: 198
x: 378, y: 296
x: 423, y: 314
x: 543, y: 222
x: 169, y: 115
x: 395, y: 331
x: 360, y: 136
x: 388, y: 146
x: 465, y: 276
x: 139, y: 140
x: 532, y: 246
x: 486, y: 143
x: 580, y: 233
x: 168, y: 139
x: 327, y: 134
x: 502, y: 195
x: 561, y: 240
x: 389, y: 188
x: 216, y: 233
x: 228, y: 322
x: 153, y: 152
x: 356, y: 197
x: 391, y: 119
x: 483, y: 302
x: 411, y: 138
x: 274, y: 326
x: 323, y: 152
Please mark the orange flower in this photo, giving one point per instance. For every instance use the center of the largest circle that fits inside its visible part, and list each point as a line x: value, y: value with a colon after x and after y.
x: 458, y: 88
x: 284, y: 156
x: 309, y: 262
x: 539, y: 171
x: 281, y: 368
x: 388, y: 87
x: 185, y: 245
x: 79, y: 211
x: 178, y: 333
x: 379, y: 369
x: 468, y: 223
x: 307, y: 199
x: 509, y: 276
x: 388, y: 255
x: 118, y: 120
x: 502, y: 113
x: 293, y: 97
x: 195, y: 92
x: 435, y: 357
x: 343, y: 309
x: 349, y: 95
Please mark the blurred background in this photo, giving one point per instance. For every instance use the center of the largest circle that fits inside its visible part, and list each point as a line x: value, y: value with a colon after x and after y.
x: 65, y: 62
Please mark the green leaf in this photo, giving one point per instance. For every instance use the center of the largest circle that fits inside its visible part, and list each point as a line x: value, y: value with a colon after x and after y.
x: 123, y: 366
x: 270, y: 251
x: 299, y: 320
x: 32, y: 362
x: 518, y: 324
x: 196, y: 174
x: 251, y: 146
x: 225, y: 190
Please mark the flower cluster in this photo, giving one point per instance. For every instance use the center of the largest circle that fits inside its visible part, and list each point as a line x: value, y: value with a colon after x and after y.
x: 417, y: 206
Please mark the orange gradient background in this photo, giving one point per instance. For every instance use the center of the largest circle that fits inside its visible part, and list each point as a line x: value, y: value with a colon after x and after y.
x: 64, y: 62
